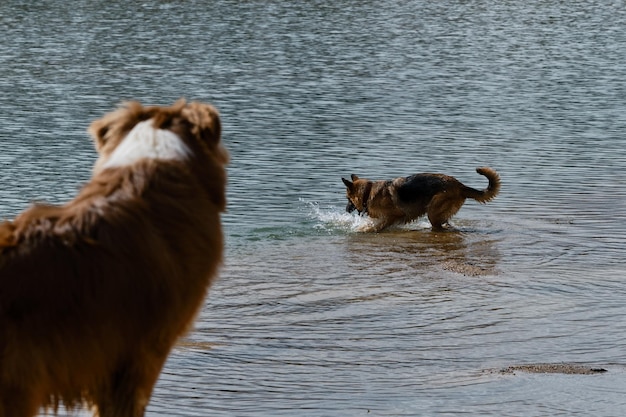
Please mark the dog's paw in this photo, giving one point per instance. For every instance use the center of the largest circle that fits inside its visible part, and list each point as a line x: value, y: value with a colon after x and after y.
x: 366, y: 227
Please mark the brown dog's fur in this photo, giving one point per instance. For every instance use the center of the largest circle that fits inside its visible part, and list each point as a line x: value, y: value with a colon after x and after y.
x: 94, y: 293
x: 404, y: 199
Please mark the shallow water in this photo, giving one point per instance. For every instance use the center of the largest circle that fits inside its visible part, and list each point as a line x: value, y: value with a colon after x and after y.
x: 310, y: 317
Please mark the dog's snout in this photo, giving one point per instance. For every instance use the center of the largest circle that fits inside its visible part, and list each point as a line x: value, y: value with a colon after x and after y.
x: 350, y: 207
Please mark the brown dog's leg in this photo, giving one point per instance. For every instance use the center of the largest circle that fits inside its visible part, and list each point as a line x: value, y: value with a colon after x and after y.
x: 383, y: 224
x: 442, y: 207
x: 379, y: 224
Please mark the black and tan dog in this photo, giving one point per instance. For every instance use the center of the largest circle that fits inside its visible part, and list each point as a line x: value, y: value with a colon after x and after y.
x: 404, y: 199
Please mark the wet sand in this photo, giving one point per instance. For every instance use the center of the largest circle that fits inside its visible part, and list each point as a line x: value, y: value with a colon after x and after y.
x: 554, y: 368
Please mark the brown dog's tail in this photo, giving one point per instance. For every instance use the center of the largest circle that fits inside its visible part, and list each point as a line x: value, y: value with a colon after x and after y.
x: 487, y: 194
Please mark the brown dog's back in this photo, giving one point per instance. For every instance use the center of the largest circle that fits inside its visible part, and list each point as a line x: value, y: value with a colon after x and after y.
x: 94, y: 294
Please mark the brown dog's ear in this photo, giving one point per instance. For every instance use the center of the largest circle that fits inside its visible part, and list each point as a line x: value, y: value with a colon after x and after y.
x: 116, y: 123
x: 98, y: 131
x: 354, y: 177
x: 205, y: 121
x: 347, y: 183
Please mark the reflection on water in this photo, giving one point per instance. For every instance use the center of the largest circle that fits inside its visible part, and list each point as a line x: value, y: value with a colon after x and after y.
x: 466, y: 253
x: 310, y: 317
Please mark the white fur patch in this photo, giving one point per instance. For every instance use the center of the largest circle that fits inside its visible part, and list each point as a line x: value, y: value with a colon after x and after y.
x: 146, y: 142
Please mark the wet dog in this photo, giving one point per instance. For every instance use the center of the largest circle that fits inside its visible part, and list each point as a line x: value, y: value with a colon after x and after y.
x: 94, y: 293
x: 405, y: 199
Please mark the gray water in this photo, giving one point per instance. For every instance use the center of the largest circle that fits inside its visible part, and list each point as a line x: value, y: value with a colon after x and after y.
x: 310, y: 317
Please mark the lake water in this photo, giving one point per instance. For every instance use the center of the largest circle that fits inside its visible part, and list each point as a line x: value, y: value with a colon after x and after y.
x: 310, y: 317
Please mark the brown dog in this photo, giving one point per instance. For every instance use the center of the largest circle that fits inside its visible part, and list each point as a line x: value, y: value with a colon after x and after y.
x: 405, y: 199
x: 94, y: 293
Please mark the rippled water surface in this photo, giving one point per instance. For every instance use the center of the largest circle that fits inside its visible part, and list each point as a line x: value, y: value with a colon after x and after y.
x: 310, y: 317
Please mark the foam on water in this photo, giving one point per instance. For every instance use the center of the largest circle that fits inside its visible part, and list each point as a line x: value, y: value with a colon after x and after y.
x: 332, y: 218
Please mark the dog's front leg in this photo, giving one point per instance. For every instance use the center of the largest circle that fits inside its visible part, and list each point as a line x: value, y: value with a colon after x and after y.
x: 366, y: 228
x: 375, y: 225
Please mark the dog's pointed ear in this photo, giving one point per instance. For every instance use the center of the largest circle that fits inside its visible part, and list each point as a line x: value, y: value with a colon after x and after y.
x: 347, y: 183
x: 98, y: 131
x: 116, y: 123
x: 205, y: 121
x: 354, y: 177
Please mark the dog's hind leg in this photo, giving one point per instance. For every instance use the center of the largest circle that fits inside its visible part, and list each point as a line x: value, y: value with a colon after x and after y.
x: 441, y: 208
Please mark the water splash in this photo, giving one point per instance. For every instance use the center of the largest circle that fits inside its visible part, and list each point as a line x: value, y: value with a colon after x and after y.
x: 331, y: 218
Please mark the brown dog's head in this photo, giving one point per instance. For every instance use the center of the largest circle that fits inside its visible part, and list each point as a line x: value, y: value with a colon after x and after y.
x: 184, y: 132
x: 194, y: 123
x: 357, y: 192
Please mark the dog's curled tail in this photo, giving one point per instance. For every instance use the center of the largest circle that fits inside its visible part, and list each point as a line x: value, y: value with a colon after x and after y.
x: 489, y: 193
